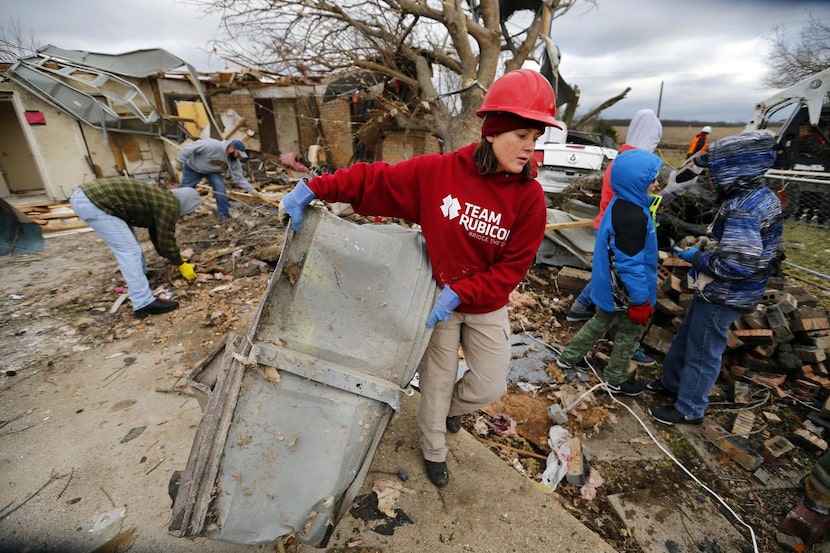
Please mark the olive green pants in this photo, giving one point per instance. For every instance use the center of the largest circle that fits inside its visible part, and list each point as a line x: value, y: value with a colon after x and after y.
x: 626, y: 342
x: 485, y: 340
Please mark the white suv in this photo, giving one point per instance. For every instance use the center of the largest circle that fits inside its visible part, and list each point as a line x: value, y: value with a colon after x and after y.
x: 564, y: 157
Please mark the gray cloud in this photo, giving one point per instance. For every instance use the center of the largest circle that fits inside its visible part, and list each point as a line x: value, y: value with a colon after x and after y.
x: 708, y: 54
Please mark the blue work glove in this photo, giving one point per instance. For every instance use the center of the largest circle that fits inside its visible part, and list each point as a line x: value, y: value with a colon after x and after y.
x: 292, y: 204
x: 688, y: 255
x: 447, y: 302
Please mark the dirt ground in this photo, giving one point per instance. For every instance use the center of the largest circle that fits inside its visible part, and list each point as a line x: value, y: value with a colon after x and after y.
x: 92, y: 400
x: 95, y: 417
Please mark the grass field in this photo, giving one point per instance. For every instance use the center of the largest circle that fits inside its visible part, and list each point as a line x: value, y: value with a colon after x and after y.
x: 676, y: 140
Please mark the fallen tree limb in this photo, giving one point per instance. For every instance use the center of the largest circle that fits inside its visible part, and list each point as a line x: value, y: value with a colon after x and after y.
x: 514, y: 449
x: 52, y: 478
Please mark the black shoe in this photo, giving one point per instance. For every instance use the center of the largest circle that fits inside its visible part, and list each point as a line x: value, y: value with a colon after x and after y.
x: 453, y: 424
x: 667, y: 414
x: 656, y: 387
x: 578, y: 313
x: 159, y: 305
x: 437, y: 472
x: 628, y: 388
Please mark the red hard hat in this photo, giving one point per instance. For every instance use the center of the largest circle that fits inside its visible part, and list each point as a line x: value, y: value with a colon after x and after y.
x: 522, y: 92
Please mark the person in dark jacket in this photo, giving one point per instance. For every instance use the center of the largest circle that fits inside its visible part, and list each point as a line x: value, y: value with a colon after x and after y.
x: 730, y: 280
x: 113, y: 206
x: 624, y: 272
x: 212, y: 160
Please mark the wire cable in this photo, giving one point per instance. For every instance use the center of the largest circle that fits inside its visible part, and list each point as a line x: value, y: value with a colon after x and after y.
x: 605, y: 386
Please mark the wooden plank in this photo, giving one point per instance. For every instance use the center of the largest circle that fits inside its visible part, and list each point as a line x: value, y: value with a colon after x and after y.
x: 575, y: 474
x: 57, y: 225
x: 570, y: 224
x: 69, y: 214
x: 128, y: 146
x: 117, y: 154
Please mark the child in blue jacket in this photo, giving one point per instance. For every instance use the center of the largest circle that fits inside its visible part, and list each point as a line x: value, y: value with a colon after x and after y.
x: 624, y: 272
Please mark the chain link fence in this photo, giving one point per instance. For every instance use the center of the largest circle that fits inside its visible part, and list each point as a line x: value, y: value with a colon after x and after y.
x: 806, y: 200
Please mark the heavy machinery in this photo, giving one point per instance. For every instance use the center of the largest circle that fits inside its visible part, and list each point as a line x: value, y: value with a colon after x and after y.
x: 803, y: 139
x: 802, y: 170
x: 799, y: 116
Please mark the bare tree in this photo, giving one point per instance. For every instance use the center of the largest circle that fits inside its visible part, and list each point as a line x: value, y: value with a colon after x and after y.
x: 14, y: 43
x: 434, y: 59
x: 789, y: 64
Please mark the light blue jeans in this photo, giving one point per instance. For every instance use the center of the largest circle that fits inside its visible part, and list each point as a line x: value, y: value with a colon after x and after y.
x: 121, y: 239
x: 693, y: 363
x: 191, y: 178
x: 584, y: 297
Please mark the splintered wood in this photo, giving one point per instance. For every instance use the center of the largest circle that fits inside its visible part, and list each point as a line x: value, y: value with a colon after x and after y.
x: 52, y: 217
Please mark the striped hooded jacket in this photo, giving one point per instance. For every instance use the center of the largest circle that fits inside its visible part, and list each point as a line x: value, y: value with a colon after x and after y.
x: 747, y: 227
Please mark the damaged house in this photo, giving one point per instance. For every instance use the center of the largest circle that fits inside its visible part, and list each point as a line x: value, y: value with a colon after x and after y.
x: 70, y: 116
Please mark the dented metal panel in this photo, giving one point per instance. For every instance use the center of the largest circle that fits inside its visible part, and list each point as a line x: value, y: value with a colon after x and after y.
x: 73, y: 80
x: 80, y: 105
x: 294, y: 421
x: 138, y: 63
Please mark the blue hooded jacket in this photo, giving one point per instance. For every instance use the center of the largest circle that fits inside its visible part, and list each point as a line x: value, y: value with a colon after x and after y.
x: 747, y: 227
x: 624, y: 269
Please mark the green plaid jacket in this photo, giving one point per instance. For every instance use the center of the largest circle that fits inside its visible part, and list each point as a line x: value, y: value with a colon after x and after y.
x: 140, y: 205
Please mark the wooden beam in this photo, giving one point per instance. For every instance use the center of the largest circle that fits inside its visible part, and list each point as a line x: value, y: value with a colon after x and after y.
x: 570, y: 224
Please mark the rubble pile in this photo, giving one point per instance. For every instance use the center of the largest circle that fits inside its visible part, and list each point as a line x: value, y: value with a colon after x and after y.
x: 770, y: 410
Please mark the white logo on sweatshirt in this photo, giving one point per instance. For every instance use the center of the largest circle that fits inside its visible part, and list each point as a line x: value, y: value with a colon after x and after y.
x: 450, y: 207
x: 481, y: 223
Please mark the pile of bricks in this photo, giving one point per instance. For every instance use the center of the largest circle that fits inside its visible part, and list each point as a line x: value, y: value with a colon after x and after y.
x: 781, y: 347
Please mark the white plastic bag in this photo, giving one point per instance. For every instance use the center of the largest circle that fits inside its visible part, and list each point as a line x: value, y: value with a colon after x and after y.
x: 559, y: 458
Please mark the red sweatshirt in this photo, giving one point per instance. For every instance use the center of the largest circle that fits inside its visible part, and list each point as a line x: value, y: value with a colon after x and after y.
x: 481, y: 232
x: 607, y: 192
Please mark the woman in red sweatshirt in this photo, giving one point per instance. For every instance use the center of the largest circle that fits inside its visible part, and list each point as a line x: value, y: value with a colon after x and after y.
x: 483, y: 216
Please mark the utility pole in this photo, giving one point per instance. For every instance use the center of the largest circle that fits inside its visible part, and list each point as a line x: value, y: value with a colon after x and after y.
x: 660, y: 100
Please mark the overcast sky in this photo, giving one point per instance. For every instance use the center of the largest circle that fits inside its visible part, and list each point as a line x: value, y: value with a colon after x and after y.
x: 709, y: 55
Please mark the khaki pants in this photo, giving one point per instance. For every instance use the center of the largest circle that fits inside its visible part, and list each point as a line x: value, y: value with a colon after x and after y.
x: 485, y: 339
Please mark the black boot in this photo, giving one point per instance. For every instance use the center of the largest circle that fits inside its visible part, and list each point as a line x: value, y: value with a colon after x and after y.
x: 453, y: 424
x: 159, y: 305
x: 437, y: 472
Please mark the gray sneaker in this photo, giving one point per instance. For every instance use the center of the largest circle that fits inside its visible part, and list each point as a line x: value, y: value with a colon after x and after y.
x: 563, y: 365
